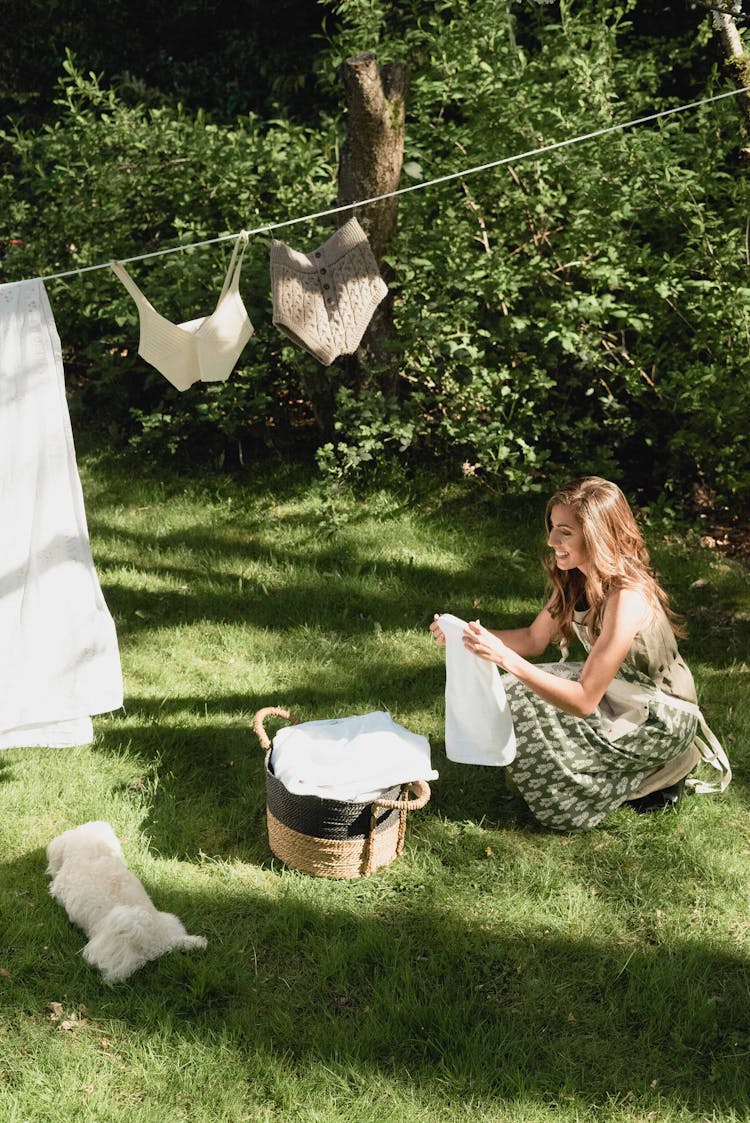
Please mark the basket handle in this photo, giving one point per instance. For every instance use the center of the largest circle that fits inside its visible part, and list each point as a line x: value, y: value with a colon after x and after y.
x: 422, y: 794
x: 422, y: 790
x: 260, y: 717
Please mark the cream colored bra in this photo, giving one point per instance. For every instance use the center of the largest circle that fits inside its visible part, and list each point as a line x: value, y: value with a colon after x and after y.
x: 201, y: 350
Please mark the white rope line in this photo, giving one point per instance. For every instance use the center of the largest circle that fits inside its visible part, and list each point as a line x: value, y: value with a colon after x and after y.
x: 414, y: 186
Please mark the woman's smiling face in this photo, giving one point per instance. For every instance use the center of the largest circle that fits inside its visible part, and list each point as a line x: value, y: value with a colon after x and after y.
x: 566, y: 539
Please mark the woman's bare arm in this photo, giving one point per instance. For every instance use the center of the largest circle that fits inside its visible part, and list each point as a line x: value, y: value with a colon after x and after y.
x: 625, y: 614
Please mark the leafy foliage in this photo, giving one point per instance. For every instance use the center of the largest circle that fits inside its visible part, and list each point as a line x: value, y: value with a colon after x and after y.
x: 581, y: 311
x: 223, y: 57
x: 576, y: 311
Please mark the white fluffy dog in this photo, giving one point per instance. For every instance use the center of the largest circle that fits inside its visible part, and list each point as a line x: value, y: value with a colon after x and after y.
x: 100, y: 894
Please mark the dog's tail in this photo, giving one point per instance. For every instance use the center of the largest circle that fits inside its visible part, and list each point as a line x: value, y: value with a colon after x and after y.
x: 186, y: 942
x: 173, y: 933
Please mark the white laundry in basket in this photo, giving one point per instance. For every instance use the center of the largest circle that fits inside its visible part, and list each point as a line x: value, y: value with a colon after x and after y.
x: 352, y: 758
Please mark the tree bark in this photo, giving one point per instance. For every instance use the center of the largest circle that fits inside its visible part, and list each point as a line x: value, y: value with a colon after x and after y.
x: 737, y: 59
x: 370, y: 165
x: 373, y: 153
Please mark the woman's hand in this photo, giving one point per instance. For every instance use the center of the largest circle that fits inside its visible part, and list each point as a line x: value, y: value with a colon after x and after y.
x: 479, y: 641
x: 437, y: 631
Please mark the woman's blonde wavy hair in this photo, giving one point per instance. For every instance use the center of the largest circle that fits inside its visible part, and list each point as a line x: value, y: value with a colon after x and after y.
x: 616, y: 553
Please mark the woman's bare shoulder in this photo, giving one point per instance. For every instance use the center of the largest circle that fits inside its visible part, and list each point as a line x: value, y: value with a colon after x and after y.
x: 630, y: 603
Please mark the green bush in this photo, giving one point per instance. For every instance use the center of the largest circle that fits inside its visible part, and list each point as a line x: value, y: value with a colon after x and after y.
x: 579, y: 311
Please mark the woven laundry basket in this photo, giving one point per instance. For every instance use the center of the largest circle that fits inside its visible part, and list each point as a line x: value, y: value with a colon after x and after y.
x: 331, y: 837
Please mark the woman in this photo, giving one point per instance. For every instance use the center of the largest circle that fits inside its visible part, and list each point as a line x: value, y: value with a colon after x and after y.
x: 624, y: 724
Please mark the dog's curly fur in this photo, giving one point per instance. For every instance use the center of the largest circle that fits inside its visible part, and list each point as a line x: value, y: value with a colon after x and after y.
x: 100, y: 894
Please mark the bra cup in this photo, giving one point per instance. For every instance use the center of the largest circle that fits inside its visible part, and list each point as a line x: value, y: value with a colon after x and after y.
x: 193, y: 326
x: 222, y: 337
x: 169, y: 349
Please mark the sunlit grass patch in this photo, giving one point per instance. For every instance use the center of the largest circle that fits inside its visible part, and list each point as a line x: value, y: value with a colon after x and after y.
x: 494, y: 972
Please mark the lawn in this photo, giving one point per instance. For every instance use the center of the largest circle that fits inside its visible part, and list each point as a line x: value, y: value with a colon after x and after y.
x: 495, y: 971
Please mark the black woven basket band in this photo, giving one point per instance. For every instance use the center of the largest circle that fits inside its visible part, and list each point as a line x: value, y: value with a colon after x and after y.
x: 325, y: 818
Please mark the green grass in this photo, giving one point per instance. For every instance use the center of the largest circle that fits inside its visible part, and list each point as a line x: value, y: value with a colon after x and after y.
x: 494, y: 972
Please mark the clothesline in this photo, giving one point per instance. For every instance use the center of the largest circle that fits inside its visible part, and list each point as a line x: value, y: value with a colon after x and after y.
x: 412, y: 187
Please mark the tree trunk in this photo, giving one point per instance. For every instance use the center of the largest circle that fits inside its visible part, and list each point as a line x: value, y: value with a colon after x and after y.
x: 738, y: 61
x: 373, y: 152
x: 370, y: 165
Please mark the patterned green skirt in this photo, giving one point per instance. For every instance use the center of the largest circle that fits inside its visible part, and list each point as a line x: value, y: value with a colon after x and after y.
x: 568, y: 772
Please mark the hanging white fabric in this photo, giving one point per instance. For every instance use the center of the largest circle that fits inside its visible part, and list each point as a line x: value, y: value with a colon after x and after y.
x: 59, y: 660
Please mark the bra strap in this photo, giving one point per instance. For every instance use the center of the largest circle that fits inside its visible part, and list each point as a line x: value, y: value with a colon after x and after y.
x: 232, y: 279
x: 122, y: 275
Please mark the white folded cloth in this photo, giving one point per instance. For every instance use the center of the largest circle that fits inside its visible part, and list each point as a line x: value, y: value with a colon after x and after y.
x: 354, y: 758
x: 478, y: 722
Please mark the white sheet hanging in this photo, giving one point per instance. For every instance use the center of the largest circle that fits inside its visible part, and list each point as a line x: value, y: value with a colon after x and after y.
x: 59, y: 661
x: 478, y: 721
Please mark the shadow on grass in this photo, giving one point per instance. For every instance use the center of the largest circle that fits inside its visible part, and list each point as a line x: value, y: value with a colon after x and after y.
x: 211, y: 791
x: 6, y: 770
x: 210, y: 794
x: 331, y: 586
x: 338, y: 585
x: 413, y: 992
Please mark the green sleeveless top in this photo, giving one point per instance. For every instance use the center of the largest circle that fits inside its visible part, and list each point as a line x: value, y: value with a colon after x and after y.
x: 653, y: 653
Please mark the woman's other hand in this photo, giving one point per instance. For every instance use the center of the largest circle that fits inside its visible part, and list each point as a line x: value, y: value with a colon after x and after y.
x: 437, y: 630
x: 479, y: 641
